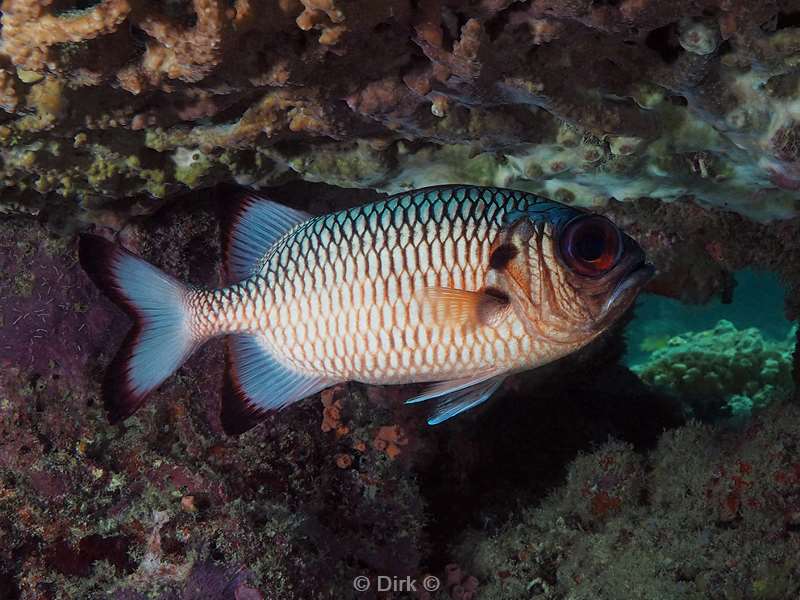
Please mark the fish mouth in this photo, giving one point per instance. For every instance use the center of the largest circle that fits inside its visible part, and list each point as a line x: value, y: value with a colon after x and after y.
x: 627, y: 288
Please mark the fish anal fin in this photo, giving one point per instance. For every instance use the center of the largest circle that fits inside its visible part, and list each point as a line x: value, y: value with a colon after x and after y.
x: 449, y: 307
x: 238, y: 412
x: 257, y: 384
x: 251, y: 227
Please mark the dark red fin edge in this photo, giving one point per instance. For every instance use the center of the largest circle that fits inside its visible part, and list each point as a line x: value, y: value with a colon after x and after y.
x: 119, y: 400
x: 96, y: 254
x: 237, y: 412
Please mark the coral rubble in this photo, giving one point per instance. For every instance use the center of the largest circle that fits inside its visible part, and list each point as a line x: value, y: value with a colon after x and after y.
x: 739, y: 367
x: 579, y: 100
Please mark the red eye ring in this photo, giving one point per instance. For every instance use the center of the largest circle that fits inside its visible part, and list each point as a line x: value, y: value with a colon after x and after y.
x: 590, y: 245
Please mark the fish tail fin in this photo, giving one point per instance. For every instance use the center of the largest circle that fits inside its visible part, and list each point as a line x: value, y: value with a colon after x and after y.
x: 161, y: 338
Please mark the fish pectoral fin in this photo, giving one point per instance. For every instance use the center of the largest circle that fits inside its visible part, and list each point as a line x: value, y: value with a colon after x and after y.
x: 256, y: 384
x: 462, y: 398
x: 449, y: 307
x: 251, y: 229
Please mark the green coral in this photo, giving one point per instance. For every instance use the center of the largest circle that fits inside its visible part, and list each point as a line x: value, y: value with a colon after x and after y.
x: 740, y: 366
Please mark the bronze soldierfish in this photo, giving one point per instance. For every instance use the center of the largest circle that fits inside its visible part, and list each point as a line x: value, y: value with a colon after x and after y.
x: 455, y: 285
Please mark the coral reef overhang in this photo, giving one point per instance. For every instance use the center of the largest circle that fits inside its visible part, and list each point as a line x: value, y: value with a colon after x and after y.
x: 580, y: 100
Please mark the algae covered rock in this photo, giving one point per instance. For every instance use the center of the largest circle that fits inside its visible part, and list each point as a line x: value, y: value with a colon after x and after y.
x: 708, y: 514
x: 578, y: 100
x: 741, y: 367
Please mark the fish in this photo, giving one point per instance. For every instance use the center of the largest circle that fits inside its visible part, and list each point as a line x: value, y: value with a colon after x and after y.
x: 455, y: 287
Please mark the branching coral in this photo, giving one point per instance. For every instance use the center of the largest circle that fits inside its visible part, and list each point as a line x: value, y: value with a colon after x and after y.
x: 31, y: 30
x: 177, y: 52
x: 324, y: 15
x: 739, y: 366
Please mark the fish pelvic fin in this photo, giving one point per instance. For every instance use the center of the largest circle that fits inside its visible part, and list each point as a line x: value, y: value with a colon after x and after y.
x: 456, y: 396
x: 161, y: 338
x: 250, y: 228
x: 257, y: 384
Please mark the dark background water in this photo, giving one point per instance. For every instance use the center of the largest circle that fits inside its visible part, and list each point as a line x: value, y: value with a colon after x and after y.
x: 758, y: 301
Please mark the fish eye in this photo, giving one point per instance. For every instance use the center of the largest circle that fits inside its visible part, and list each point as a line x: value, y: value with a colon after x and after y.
x: 590, y: 245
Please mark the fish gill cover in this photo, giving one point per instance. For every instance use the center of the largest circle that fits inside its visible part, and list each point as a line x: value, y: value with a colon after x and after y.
x: 111, y: 110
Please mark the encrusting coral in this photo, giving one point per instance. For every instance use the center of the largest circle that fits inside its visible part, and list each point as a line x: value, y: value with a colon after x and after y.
x: 578, y: 100
x: 739, y: 367
x: 708, y: 514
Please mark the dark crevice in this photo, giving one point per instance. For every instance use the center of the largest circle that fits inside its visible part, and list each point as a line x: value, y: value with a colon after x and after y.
x: 664, y: 40
x: 787, y: 20
x: 545, y: 415
x: 68, y: 6
x: 139, y: 37
x: 181, y: 12
x: 235, y: 111
x: 502, y: 22
x: 9, y: 590
x: 383, y: 28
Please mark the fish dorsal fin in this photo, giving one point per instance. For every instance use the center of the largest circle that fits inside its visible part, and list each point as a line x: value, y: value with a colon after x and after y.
x: 450, y: 307
x: 256, y: 384
x: 459, y: 395
x: 253, y: 227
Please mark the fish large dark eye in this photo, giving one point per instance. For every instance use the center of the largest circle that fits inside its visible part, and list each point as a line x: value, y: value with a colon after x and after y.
x: 590, y: 245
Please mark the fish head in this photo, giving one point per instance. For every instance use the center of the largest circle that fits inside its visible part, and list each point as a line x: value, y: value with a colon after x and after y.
x: 569, y: 273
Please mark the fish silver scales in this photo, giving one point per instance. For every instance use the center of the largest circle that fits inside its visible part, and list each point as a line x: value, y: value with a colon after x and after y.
x: 340, y: 293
